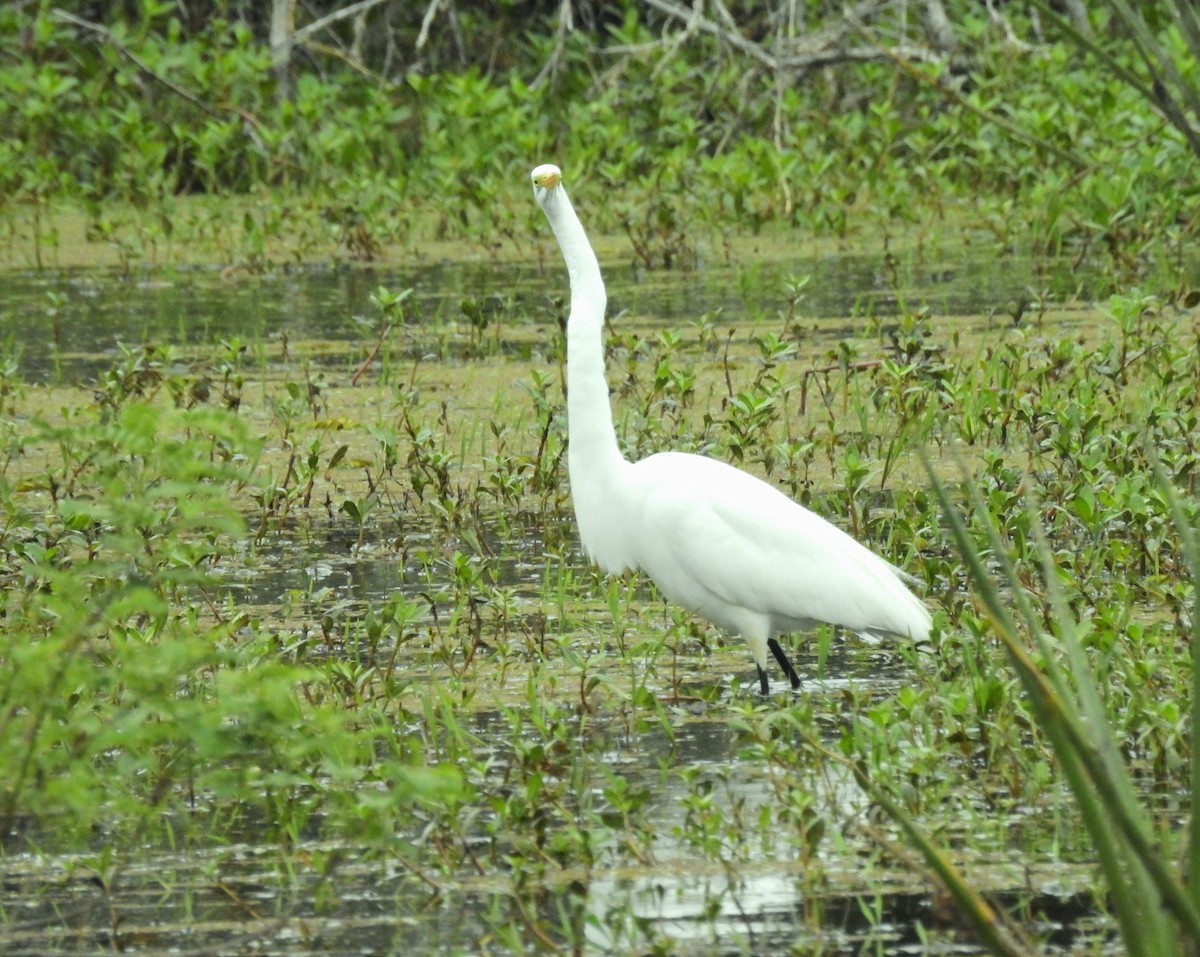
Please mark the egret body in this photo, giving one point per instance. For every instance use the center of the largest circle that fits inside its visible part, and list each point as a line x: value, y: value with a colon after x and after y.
x: 716, y: 540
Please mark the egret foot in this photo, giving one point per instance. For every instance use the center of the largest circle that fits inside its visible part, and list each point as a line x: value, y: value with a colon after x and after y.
x: 784, y: 663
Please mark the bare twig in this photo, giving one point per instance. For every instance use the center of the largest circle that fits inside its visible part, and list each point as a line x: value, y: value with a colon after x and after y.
x: 846, y: 367
x: 104, y: 33
x: 427, y: 22
x: 937, y: 27
x: 353, y: 62
x: 695, y: 21
x: 798, y: 54
x: 302, y: 35
x: 566, y: 23
x: 998, y: 20
x: 366, y: 363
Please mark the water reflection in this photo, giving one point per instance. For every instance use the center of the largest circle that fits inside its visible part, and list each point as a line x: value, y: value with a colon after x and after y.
x: 690, y: 897
x: 369, y: 566
x: 68, y: 325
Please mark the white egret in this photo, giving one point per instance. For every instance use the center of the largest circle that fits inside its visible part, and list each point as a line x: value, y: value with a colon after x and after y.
x: 714, y: 539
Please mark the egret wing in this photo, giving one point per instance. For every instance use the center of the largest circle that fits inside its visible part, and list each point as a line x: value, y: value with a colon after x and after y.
x: 725, y: 543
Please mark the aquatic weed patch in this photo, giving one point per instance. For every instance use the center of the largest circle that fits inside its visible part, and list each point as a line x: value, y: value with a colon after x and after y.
x: 435, y: 687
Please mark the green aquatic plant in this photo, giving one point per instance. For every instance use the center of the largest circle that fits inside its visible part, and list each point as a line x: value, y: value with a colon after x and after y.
x: 392, y: 313
x: 131, y: 689
x: 1155, y: 911
x: 356, y: 725
x: 1052, y: 653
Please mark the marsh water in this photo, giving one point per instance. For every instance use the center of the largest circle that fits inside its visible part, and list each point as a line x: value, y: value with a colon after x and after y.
x: 70, y: 325
x: 229, y: 897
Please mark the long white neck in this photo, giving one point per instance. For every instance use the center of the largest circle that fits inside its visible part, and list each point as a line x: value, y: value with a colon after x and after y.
x: 594, y: 461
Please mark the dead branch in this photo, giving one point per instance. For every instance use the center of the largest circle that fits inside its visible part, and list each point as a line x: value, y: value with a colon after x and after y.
x: 106, y: 35
x: 846, y: 367
x: 566, y: 23
x: 694, y: 20
x: 792, y: 54
x: 427, y: 22
x: 301, y: 36
x: 937, y: 27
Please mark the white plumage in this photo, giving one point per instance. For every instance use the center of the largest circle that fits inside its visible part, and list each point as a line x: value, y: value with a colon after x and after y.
x: 714, y: 539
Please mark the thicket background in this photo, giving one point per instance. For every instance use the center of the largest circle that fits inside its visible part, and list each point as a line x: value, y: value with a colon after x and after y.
x: 139, y: 709
x: 363, y: 125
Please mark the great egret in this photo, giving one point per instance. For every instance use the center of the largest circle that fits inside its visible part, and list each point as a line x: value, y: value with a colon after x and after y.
x: 714, y: 539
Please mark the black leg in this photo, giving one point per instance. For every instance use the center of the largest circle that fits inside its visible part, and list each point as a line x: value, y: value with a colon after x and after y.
x: 782, y: 658
x: 763, y: 685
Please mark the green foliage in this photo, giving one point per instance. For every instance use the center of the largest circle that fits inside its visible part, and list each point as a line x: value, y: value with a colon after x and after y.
x: 1067, y: 690
x: 1042, y: 149
x: 129, y: 690
x: 476, y: 727
x: 512, y: 728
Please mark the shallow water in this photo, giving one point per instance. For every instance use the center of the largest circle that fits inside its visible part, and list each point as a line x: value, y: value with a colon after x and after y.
x: 69, y: 325
x: 235, y: 896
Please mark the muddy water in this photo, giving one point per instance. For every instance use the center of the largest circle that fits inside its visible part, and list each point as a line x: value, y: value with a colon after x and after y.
x: 235, y: 897
x: 69, y: 326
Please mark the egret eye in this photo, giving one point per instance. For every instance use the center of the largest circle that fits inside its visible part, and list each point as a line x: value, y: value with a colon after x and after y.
x: 546, y: 176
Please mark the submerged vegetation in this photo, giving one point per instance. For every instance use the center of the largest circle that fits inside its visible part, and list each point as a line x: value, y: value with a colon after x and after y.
x: 493, y: 748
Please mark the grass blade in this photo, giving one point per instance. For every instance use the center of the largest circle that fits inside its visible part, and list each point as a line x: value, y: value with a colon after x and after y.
x: 1191, y: 553
x: 1069, y: 711
x: 971, y: 904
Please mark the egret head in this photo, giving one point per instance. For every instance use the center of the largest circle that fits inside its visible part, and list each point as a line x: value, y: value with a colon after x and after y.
x: 546, y: 177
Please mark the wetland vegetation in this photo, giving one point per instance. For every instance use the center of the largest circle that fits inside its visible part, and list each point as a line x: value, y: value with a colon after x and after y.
x: 299, y: 652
